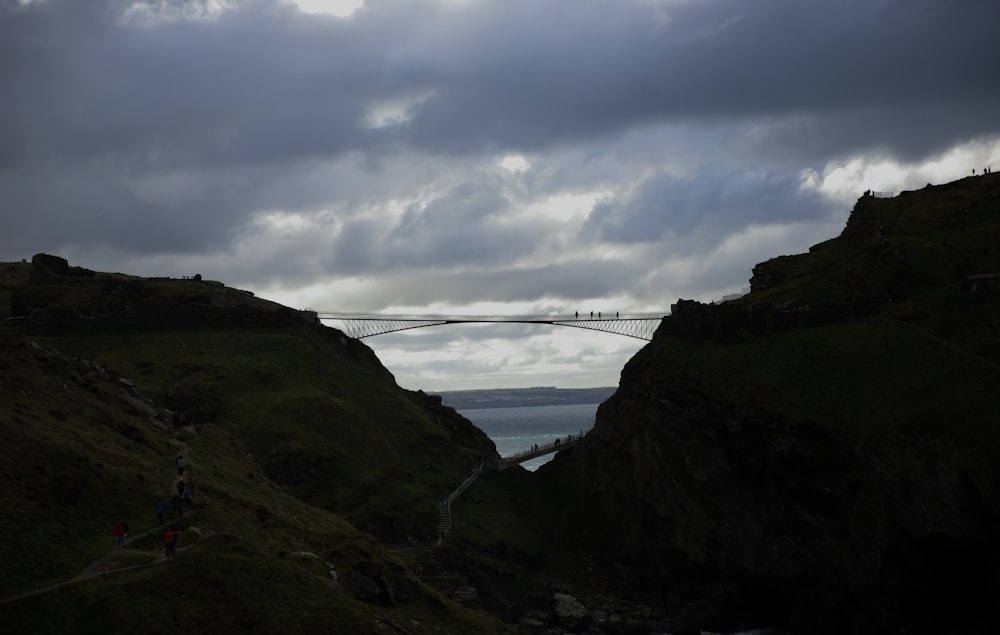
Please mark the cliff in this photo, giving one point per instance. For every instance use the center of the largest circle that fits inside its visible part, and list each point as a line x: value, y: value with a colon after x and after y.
x: 733, y: 517
x: 820, y: 456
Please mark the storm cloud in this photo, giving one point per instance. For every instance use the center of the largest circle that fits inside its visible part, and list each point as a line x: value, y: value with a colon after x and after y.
x: 465, y: 155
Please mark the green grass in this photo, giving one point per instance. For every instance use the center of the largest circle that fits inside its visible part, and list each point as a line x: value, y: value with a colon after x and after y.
x: 76, y: 459
x: 926, y: 360
x: 286, y: 399
x: 943, y: 235
x: 868, y: 378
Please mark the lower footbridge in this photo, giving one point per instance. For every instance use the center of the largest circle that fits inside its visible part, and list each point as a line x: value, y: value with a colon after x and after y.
x: 498, y: 465
x: 361, y: 325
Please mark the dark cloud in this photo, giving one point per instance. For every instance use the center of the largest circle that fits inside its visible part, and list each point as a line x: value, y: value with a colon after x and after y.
x: 264, y: 85
x: 910, y: 134
x: 690, y: 214
x: 277, y: 150
x: 542, y: 73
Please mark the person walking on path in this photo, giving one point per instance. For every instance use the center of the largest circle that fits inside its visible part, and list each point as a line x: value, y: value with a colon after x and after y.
x: 118, y: 531
x: 188, y: 496
x: 181, y: 464
x: 180, y: 486
x: 160, y: 508
x: 170, y: 543
x: 178, y: 504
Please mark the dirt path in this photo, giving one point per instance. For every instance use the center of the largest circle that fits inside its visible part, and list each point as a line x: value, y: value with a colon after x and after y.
x: 125, y: 559
x: 121, y: 560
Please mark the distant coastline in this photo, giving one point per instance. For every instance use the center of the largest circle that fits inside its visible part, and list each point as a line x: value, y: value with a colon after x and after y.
x: 519, y: 397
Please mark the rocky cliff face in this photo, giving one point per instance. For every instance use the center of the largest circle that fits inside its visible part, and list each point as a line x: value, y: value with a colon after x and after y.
x: 734, y: 519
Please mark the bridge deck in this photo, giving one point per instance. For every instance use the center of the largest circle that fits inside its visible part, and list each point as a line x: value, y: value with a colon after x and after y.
x: 361, y: 325
x: 536, y: 451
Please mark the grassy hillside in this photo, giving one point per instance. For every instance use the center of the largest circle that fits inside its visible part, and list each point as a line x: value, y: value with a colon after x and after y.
x: 917, y: 350
x: 77, y: 458
x: 943, y: 234
x: 870, y: 378
x: 316, y: 410
x: 314, y: 414
x: 296, y: 436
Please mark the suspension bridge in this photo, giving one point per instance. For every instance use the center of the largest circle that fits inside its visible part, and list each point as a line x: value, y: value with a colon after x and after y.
x: 361, y: 325
x: 498, y: 465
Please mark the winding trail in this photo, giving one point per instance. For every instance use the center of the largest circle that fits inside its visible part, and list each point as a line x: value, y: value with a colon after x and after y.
x: 124, y: 559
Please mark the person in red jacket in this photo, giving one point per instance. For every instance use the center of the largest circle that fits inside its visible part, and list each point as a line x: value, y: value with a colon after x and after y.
x: 170, y: 542
x: 118, y: 531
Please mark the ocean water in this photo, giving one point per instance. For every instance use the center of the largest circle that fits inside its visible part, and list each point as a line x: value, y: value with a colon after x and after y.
x: 517, y: 429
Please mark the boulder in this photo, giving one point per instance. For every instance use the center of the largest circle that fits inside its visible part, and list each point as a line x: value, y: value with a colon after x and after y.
x: 569, y: 613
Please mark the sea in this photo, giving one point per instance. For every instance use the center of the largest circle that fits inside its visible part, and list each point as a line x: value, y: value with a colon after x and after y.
x: 517, y: 429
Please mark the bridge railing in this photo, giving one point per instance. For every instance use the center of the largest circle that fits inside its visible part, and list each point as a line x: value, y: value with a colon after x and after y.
x: 441, y: 317
x: 558, y: 444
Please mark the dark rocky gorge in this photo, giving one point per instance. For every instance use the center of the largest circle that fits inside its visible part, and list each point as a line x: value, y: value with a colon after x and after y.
x: 732, y: 521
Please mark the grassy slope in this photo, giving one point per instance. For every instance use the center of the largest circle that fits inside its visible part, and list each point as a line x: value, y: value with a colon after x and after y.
x: 278, y: 392
x: 868, y: 378
x: 75, y: 459
x: 926, y: 361
x: 303, y: 399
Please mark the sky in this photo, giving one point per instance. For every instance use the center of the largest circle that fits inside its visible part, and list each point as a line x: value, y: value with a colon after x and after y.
x: 475, y: 157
